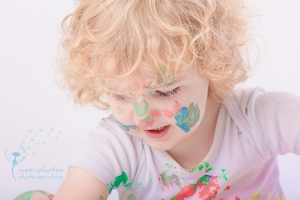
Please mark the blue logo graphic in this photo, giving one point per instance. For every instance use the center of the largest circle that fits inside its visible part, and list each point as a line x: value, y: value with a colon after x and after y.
x: 30, y: 143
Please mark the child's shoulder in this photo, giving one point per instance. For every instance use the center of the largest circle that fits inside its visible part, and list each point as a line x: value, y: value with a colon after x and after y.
x: 259, y: 97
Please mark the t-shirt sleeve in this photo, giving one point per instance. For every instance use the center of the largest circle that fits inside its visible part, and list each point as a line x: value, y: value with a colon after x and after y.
x: 110, y: 154
x: 274, y: 120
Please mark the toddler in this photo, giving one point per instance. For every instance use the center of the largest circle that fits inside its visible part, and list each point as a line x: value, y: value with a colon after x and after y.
x: 179, y: 130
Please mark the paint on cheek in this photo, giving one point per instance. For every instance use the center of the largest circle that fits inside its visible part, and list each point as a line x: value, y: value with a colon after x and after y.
x: 177, y: 106
x: 120, y: 110
x: 187, y: 117
x: 140, y: 108
x: 168, y: 113
x: 125, y: 127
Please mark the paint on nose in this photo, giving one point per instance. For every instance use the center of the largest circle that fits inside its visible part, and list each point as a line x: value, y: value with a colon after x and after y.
x: 168, y: 113
x: 140, y: 108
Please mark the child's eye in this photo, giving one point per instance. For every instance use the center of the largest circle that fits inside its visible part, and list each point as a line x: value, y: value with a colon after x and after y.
x: 169, y: 93
x: 118, y: 97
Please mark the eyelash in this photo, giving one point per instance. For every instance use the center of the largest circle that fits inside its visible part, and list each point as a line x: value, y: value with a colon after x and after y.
x: 160, y: 93
x: 118, y: 97
x: 169, y: 93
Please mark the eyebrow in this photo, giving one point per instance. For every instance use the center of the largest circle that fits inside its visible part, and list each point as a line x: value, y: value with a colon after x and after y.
x: 164, y: 84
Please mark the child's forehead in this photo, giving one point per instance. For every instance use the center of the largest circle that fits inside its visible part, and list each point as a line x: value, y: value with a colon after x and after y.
x: 133, y: 83
x: 140, y: 78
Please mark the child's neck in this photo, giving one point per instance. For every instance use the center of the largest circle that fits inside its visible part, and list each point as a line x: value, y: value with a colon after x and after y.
x: 191, y: 152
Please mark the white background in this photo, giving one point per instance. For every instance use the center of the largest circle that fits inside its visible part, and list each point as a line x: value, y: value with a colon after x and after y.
x: 31, y: 100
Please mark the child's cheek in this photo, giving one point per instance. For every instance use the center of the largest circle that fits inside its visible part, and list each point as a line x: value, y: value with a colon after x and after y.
x: 119, y: 110
x: 186, y: 117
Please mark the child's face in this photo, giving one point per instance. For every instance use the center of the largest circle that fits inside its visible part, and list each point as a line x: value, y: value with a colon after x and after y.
x: 165, y: 116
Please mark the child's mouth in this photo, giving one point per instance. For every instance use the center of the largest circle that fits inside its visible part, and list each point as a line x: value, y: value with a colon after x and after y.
x: 158, y: 129
x: 158, y: 132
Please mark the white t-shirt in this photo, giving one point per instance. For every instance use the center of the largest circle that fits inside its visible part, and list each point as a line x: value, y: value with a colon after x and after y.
x: 252, y: 128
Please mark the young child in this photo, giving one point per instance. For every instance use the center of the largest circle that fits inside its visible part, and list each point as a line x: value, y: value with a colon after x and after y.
x: 179, y: 129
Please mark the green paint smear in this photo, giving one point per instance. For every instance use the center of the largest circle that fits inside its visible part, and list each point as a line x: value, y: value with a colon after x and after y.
x: 147, y: 118
x: 161, y: 84
x: 187, y: 117
x: 170, y: 81
x: 123, y: 178
x: 208, y: 169
x: 103, y: 198
x: 203, y: 179
x: 25, y: 196
x: 200, y: 167
x: 141, y: 108
x: 168, y: 179
x: 224, y: 175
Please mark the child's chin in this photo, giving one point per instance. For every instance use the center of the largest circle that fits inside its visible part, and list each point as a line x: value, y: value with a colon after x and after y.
x: 160, y: 146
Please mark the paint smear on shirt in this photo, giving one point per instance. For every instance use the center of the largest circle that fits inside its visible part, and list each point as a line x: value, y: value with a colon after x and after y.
x: 208, y: 188
x: 259, y: 194
x: 227, y: 188
x: 168, y: 179
x: 123, y: 178
x: 223, y: 175
x: 201, y: 166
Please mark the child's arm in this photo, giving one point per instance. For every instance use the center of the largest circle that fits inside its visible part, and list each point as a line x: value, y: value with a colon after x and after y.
x: 80, y: 184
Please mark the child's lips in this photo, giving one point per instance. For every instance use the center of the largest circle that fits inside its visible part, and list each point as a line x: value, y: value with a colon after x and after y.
x: 157, y: 133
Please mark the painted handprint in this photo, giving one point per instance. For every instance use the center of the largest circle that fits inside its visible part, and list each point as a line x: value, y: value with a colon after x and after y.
x: 186, y: 117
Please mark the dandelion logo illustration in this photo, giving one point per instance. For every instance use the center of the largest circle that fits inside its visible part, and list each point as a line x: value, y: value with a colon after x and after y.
x: 30, y: 143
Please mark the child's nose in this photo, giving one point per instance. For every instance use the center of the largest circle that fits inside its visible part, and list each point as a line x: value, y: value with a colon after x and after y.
x: 140, y: 107
x: 144, y: 114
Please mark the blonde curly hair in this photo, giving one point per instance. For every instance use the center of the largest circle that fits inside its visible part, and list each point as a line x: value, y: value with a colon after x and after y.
x: 144, y: 37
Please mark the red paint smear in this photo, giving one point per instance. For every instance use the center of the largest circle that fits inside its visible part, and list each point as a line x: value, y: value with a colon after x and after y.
x: 209, y: 190
x: 159, y: 179
x: 187, y: 191
x: 236, y: 198
x: 177, y: 106
x: 168, y: 113
x: 224, y: 199
x: 51, y: 197
x: 146, y: 123
x: 155, y: 114
x: 227, y: 188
